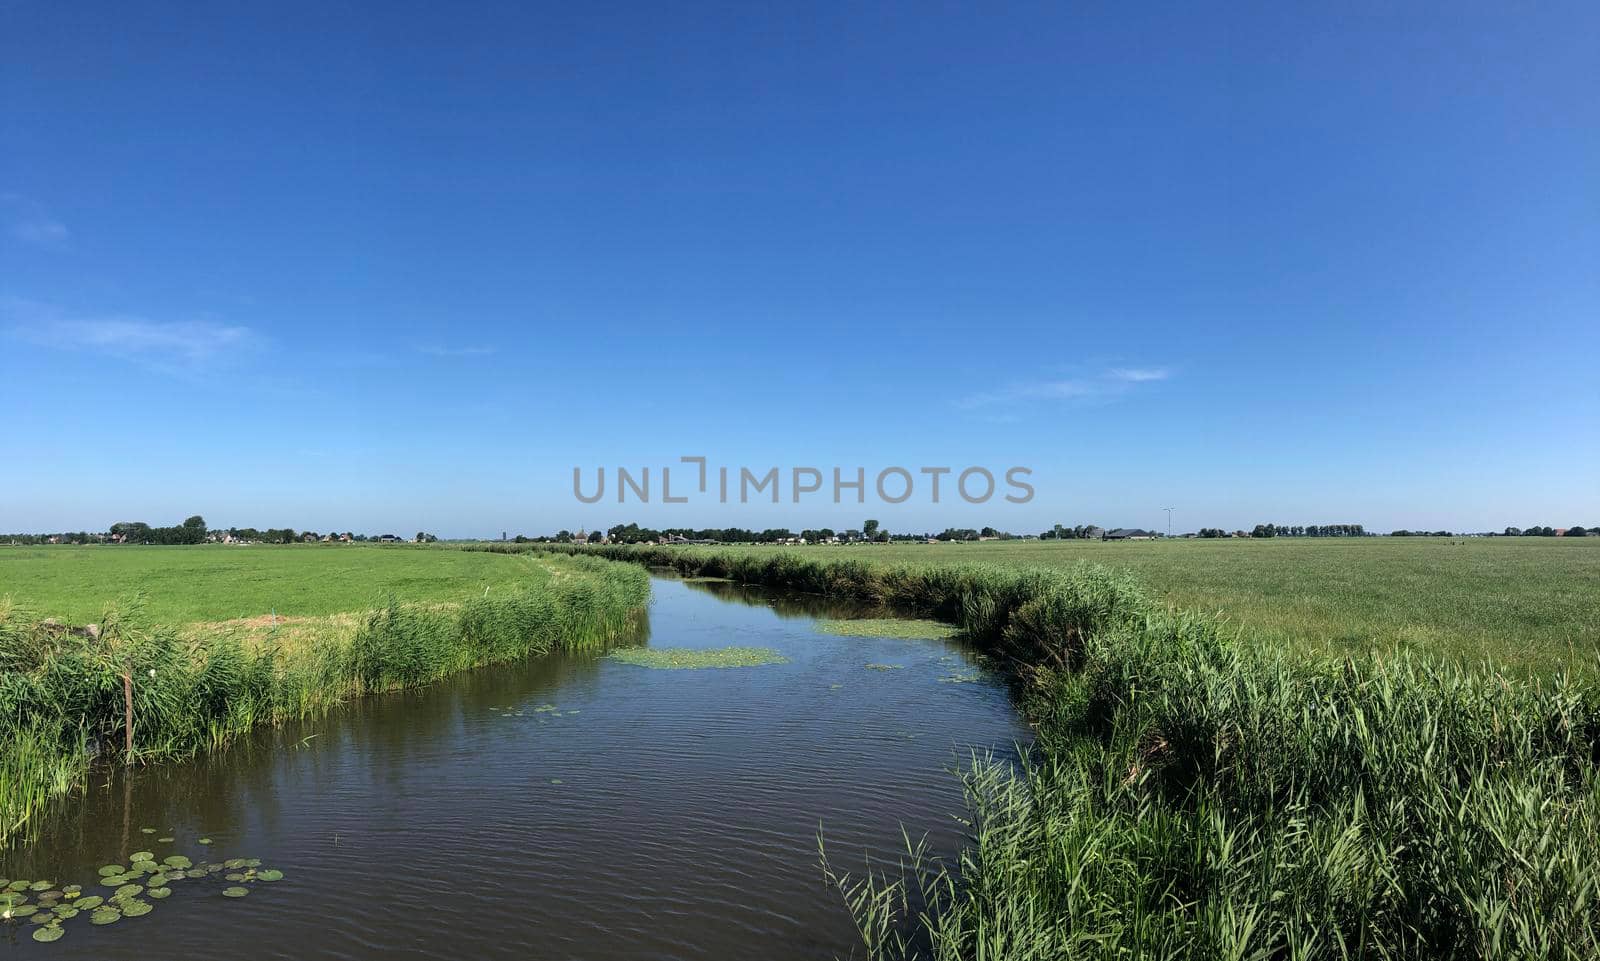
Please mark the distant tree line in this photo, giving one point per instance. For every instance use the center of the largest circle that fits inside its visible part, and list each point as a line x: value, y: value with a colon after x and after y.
x: 194, y: 531
x: 1061, y: 532
x: 871, y: 531
x: 1576, y: 530
x: 1311, y: 530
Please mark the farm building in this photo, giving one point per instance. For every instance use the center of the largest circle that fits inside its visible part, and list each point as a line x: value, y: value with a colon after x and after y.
x: 1128, y: 534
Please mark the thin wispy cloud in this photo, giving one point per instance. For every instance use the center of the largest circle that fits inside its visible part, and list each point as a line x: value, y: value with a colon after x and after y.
x: 1103, y: 386
x: 170, y: 344
x: 42, y: 232
x: 28, y: 223
x: 456, y: 351
x: 1138, y: 375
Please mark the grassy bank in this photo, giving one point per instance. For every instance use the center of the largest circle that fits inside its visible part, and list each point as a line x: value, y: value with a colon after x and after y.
x: 1195, y: 796
x: 65, y: 693
x: 1527, y: 602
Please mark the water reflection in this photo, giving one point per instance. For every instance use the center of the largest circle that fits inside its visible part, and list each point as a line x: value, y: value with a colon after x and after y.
x: 642, y: 814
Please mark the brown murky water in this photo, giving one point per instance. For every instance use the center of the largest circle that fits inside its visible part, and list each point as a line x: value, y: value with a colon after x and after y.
x: 663, y: 813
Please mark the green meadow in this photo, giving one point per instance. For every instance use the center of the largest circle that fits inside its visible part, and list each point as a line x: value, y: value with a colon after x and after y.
x: 1530, y: 603
x: 187, y: 585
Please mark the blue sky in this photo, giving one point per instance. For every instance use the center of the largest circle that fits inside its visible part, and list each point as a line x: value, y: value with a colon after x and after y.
x: 402, y: 266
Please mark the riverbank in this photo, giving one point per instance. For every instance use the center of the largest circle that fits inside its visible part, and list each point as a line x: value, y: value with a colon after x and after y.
x: 133, y: 689
x: 1532, y: 604
x: 1195, y: 795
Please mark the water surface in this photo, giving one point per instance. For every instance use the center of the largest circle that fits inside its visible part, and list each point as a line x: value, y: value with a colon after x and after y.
x: 643, y: 813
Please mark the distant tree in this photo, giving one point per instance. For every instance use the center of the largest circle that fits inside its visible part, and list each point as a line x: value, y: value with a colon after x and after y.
x: 869, y: 530
x: 1577, y: 531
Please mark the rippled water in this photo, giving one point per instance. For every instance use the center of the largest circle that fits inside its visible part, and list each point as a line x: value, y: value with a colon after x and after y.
x: 431, y: 824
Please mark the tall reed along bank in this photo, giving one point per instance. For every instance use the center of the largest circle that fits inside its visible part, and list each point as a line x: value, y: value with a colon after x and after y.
x: 124, y: 690
x: 1194, y: 795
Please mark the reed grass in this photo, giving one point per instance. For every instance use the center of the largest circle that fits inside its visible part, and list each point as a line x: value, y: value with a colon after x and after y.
x: 62, y: 692
x: 1194, y: 795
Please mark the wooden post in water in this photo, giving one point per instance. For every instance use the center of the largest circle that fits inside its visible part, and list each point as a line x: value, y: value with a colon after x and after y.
x: 127, y: 707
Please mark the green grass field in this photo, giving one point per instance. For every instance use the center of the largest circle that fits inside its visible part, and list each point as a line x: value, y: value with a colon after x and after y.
x: 187, y: 585
x: 1531, y: 603
x: 199, y: 662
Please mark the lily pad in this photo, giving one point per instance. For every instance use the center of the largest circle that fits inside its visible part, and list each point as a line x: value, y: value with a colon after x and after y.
x: 51, y: 933
x: 128, y: 890
x: 111, y: 869
x: 159, y: 893
x: 203, y: 841
x: 252, y: 862
x: 66, y: 912
x: 235, y: 892
x: 178, y: 861
x: 148, y: 830
x: 270, y: 875
x: 40, y: 885
x: 142, y: 856
x: 114, y: 881
x: 233, y: 863
x: 89, y: 903
x: 105, y: 916
x: 136, y: 908
x: 49, y: 895
x: 11, y: 899
x: 235, y: 876
x: 18, y: 886
x: 164, y: 840
x: 72, y: 890
x: 144, y: 867
x: 194, y: 873
x: 23, y: 910
x: 43, y: 917
x: 156, y: 880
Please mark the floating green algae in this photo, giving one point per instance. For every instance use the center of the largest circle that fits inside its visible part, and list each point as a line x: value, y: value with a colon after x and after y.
x: 897, y: 627
x: 695, y: 658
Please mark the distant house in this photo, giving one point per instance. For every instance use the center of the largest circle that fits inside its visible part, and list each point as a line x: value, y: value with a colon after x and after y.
x: 582, y: 537
x: 1128, y: 534
x: 1092, y: 532
x: 388, y: 539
